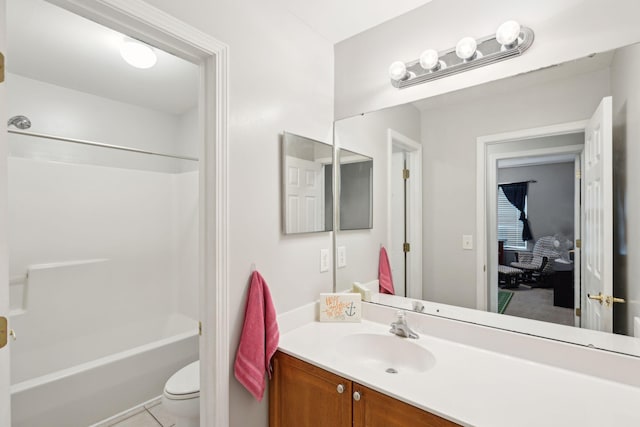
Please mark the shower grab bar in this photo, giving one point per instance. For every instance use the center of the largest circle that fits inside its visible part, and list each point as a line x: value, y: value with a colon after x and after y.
x: 97, y: 144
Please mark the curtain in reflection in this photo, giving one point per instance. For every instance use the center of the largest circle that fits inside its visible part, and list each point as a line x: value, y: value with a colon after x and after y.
x: 516, y: 193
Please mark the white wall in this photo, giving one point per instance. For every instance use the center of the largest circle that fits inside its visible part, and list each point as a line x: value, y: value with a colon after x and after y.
x: 70, y: 113
x: 449, y: 133
x: 564, y: 29
x: 281, y: 79
x: 367, y: 135
x: 625, y: 88
x: 60, y: 111
x: 185, y: 227
x: 69, y: 213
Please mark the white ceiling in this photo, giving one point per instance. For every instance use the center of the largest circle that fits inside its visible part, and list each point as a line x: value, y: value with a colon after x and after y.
x: 50, y: 44
x: 337, y: 20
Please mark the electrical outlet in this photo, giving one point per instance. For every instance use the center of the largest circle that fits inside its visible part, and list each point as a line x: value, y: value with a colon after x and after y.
x: 467, y: 242
x: 324, y: 260
x: 342, y: 256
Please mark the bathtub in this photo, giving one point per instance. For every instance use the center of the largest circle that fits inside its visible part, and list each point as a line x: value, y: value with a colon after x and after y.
x: 85, y: 379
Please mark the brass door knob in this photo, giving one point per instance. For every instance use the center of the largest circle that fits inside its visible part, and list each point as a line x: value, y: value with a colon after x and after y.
x: 611, y: 299
x: 606, y: 299
x: 598, y: 297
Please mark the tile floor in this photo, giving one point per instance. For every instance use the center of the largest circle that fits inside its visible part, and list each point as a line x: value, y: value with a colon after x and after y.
x: 151, y: 415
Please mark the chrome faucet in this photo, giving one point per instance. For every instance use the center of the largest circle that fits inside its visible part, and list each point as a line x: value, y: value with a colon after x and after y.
x: 400, y: 327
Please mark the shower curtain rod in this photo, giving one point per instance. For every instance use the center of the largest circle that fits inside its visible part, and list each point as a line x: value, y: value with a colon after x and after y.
x: 96, y: 144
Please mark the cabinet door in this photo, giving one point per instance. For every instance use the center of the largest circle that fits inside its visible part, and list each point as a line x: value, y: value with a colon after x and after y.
x: 302, y: 395
x: 378, y: 410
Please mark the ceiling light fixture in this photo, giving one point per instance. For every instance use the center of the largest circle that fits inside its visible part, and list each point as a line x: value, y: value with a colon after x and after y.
x: 510, y: 40
x: 138, y: 54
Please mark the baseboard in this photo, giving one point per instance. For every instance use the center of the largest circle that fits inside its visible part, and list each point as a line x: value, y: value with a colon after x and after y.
x: 128, y: 413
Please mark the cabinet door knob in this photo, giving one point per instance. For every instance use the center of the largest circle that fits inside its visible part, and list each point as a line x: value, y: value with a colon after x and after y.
x: 356, y: 396
x: 340, y: 388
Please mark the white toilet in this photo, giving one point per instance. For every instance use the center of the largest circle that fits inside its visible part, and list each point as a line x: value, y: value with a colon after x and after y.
x: 181, y: 397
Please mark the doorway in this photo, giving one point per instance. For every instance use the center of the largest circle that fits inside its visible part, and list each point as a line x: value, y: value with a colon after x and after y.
x: 491, y: 149
x: 594, y: 301
x: 143, y: 22
x: 405, y: 213
x: 543, y: 291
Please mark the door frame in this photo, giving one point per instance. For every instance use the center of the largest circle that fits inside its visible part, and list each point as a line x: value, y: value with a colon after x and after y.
x: 140, y: 20
x: 486, y: 177
x: 5, y: 399
x: 414, y: 224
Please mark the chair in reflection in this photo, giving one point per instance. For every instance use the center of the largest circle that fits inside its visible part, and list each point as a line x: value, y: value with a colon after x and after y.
x: 537, y: 265
x: 509, y: 277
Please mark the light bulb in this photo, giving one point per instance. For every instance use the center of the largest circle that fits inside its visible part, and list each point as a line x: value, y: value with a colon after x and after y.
x: 466, y: 48
x: 508, y: 33
x: 138, y: 54
x: 429, y: 60
x: 398, y: 71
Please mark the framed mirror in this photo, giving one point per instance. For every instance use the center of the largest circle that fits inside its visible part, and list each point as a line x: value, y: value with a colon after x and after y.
x: 532, y: 129
x: 306, y: 185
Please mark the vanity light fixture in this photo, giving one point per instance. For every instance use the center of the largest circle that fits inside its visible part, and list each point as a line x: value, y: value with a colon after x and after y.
x: 467, y: 49
x: 430, y: 61
x: 510, y: 40
x: 138, y: 54
x: 398, y: 71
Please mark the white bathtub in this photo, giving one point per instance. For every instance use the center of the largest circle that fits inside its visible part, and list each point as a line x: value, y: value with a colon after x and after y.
x: 85, y: 379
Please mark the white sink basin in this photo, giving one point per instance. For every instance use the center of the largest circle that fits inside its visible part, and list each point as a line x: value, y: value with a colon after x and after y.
x: 386, y: 353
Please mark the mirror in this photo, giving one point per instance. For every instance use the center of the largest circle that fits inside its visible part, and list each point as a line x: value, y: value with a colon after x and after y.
x: 307, y: 185
x: 459, y: 147
x: 356, y: 190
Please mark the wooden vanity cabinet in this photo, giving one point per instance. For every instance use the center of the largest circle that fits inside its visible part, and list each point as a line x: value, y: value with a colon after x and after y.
x: 303, y: 395
x: 375, y: 409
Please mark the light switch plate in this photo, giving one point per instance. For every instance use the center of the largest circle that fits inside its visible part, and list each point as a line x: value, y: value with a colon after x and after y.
x: 324, y: 260
x: 636, y: 326
x: 342, y: 256
x: 467, y: 242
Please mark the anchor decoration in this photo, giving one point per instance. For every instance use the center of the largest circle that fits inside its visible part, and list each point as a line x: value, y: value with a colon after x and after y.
x: 340, y: 307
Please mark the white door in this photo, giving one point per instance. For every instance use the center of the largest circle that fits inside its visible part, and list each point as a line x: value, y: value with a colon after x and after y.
x: 305, y: 196
x: 398, y: 223
x: 5, y: 415
x: 597, y: 226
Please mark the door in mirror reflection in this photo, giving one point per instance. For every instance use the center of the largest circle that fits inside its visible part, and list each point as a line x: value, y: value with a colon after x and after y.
x: 306, y: 175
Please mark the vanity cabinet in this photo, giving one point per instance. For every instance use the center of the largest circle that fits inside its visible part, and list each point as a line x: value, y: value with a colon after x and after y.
x: 303, y: 395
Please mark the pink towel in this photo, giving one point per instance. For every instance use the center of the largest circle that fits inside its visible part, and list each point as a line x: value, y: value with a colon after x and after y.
x: 384, y: 273
x: 259, y: 339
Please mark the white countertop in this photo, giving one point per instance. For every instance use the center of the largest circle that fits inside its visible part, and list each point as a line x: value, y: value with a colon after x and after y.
x: 474, y: 386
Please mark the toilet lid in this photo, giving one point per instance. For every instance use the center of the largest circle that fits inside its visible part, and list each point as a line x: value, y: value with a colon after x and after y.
x: 184, y: 382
